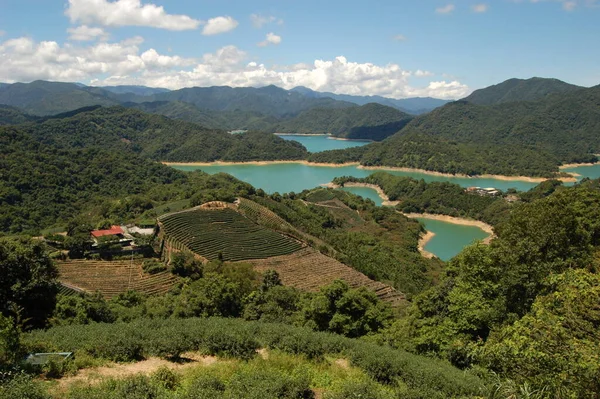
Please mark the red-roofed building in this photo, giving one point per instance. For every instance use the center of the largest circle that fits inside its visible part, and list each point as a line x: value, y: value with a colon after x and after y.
x: 113, y: 231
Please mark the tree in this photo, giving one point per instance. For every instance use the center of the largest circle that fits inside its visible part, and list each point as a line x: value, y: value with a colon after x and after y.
x: 556, y: 346
x: 10, y: 343
x: 28, y: 284
x: 351, y: 312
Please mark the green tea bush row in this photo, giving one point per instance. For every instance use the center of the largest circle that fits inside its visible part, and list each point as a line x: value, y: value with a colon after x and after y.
x: 238, y: 339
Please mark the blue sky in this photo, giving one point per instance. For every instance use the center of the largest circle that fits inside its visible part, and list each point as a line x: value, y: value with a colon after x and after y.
x: 396, y: 48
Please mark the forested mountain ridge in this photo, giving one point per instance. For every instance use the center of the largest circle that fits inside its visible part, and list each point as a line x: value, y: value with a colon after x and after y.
x: 229, y: 120
x: 515, y: 138
x: 414, y: 105
x: 512, y: 90
x: 47, y: 98
x: 269, y: 100
x: 159, y: 138
x: 371, y: 121
x: 58, y: 167
x: 14, y: 116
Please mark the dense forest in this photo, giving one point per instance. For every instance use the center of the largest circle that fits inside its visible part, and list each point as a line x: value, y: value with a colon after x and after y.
x: 514, y: 90
x: 445, y: 198
x: 371, y: 121
x: 519, y: 316
x: 513, y: 138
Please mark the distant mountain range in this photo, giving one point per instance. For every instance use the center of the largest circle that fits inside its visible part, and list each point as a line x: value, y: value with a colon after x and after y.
x: 522, y: 128
x: 267, y: 108
x: 415, y: 105
x: 520, y: 90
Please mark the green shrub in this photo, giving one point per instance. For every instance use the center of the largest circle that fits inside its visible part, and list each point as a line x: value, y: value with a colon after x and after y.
x: 165, y: 378
x: 261, y: 384
x: 153, y: 266
x: 22, y: 387
x: 205, y: 387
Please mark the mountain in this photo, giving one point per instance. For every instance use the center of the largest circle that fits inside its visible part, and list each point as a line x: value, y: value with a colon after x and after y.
x: 371, y: 121
x: 269, y: 100
x: 47, y: 98
x: 137, y: 90
x: 519, y: 90
x: 513, y: 138
x: 415, y: 105
x: 228, y: 120
x: 14, y: 116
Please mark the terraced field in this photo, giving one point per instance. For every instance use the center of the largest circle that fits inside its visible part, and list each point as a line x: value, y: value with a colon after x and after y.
x: 112, y: 278
x: 263, y: 216
x: 308, y: 270
x: 225, y: 231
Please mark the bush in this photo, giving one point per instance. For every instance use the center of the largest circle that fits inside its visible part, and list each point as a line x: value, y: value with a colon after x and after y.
x: 205, y: 387
x: 260, y: 384
x: 22, y: 387
x: 153, y: 266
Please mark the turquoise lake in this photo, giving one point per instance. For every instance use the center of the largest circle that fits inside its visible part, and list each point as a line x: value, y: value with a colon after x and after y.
x: 323, y: 143
x: 449, y: 238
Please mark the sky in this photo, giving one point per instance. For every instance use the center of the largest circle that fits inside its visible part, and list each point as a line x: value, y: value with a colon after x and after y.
x: 398, y: 49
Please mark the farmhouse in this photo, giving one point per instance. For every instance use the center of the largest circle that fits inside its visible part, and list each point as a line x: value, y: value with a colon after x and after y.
x: 489, y: 191
x: 115, y: 233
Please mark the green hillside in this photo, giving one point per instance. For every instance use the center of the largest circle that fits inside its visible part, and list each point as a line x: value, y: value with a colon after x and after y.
x: 513, y: 90
x: 270, y: 100
x: 518, y: 138
x: 52, y: 170
x: 228, y: 120
x: 371, y: 121
x: 47, y: 98
x: 14, y: 116
x: 160, y: 138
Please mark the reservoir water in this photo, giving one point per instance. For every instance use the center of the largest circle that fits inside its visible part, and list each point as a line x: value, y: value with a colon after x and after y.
x: 323, y: 142
x: 591, y: 171
x: 449, y: 238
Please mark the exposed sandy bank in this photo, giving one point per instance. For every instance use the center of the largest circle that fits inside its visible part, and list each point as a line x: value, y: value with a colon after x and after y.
x: 423, y: 241
x: 382, y: 168
x: 261, y: 163
x: 485, y: 176
x: 380, y: 192
x: 576, y: 165
x: 452, y: 219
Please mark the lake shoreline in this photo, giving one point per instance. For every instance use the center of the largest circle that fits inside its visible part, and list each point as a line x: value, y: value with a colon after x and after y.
x: 453, y: 219
x: 423, y: 240
x: 374, y: 168
x: 300, y: 134
x: 379, y: 190
x: 577, y: 165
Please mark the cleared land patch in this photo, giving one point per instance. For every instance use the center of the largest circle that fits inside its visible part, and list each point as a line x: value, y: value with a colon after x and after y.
x: 112, y: 278
x: 226, y: 233
x: 308, y: 270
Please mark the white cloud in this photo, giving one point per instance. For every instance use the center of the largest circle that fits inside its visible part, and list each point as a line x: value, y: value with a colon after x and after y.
x: 447, y: 9
x: 422, y: 74
x: 218, y: 25
x: 271, y: 38
x: 568, y: 5
x: 85, y: 33
x: 400, y: 38
x: 480, y: 8
x: 126, y: 13
x: 125, y: 62
x: 258, y: 20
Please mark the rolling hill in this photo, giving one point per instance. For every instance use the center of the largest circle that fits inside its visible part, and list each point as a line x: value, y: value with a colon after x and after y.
x: 47, y: 98
x: 414, y: 105
x: 371, y: 121
x: 512, y: 90
x: 513, y: 138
